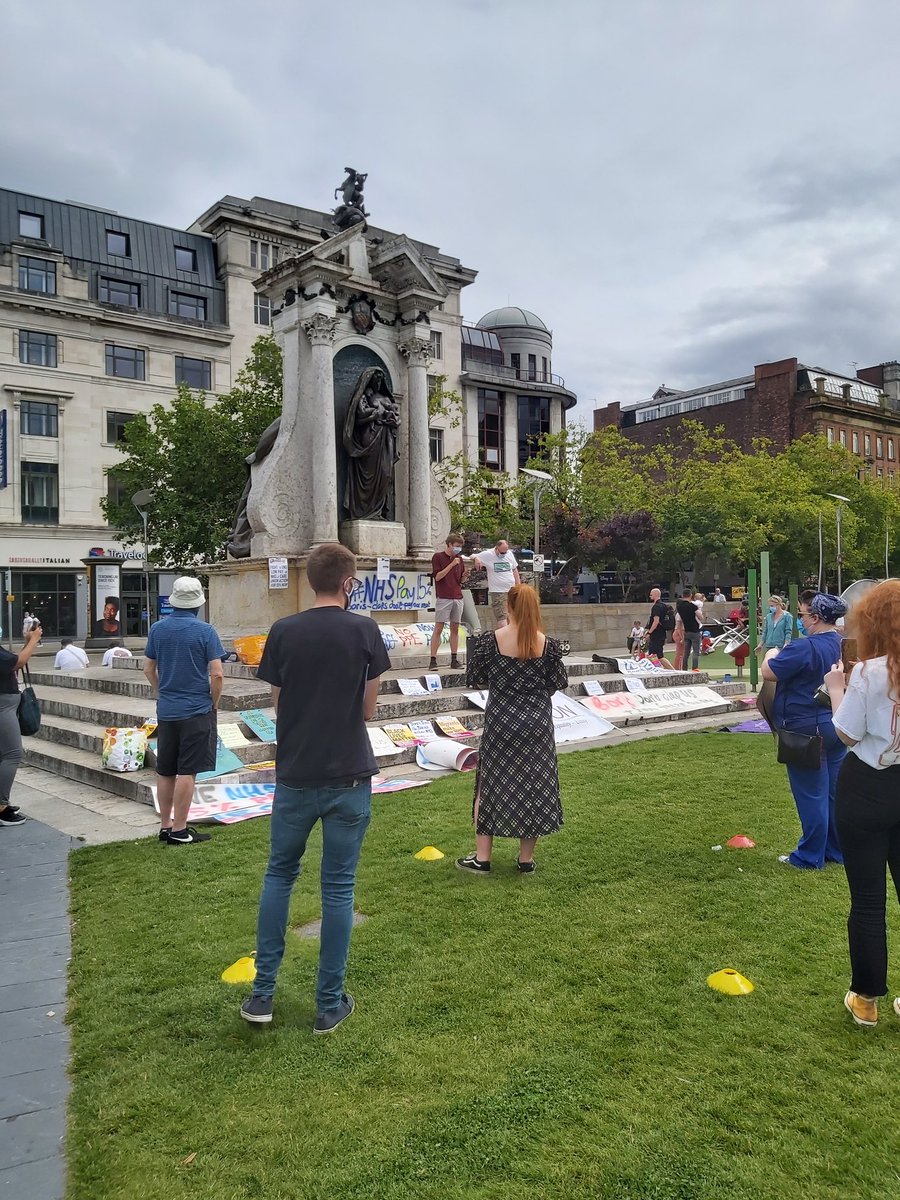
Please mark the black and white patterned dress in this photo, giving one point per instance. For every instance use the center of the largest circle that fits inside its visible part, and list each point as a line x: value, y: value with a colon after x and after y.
x: 517, y: 783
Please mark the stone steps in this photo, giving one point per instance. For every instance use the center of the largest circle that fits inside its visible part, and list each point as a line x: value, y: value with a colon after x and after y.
x: 78, y: 706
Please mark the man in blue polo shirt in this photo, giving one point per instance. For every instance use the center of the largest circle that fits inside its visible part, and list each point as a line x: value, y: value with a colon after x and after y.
x: 183, y: 661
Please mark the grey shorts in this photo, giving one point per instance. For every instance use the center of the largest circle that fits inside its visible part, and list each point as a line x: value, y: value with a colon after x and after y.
x: 448, y: 610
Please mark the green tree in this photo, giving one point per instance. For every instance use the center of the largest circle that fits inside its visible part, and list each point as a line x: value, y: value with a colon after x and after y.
x: 190, y: 454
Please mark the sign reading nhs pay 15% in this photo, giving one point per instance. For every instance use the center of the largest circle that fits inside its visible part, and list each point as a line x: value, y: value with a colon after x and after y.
x: 399, y: 591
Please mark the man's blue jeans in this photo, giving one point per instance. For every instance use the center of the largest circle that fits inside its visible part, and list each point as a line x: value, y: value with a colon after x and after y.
x: 345, y: 813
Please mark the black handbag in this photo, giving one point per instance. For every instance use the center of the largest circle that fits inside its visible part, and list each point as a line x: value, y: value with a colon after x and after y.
x: 800, y: 749
x: 29, y: 710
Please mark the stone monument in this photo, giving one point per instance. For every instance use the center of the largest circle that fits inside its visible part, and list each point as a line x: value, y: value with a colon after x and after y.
x: 349, y: 458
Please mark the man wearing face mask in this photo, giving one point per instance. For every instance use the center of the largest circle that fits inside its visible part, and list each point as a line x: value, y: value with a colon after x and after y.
x: 324, y: 666
x: 448, y: 569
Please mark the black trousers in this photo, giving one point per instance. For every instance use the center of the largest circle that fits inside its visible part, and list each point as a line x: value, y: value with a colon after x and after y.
x: 867, y: 811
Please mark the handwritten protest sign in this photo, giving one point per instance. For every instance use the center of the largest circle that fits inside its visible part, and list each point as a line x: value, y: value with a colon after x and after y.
x: 259, y: 723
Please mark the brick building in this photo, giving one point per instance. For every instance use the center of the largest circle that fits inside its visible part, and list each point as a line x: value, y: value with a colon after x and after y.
x: 781, y: 401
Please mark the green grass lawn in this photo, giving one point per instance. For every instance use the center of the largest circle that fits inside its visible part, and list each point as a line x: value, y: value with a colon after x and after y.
x: 542, y: 1036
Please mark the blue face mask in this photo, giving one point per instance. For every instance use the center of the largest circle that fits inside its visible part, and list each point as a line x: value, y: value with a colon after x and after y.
x: 456, y: 549
x: 772, y: 609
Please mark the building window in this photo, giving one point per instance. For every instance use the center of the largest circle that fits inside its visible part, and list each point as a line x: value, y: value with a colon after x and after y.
x: 40, y: 493
x: 185, y: 259
x: 532, y: 366
x: 195, y: 372
x: 124, y: 362
x: 867, y: 443
x: 433, y: 384
x: 543, y: 369
x: 31, y: 225
x: 515, y: 361
x: 843, y: 438
x: 829, y: 434
x: 879, y: 447
x: 534, y: 422
x: 262, y: 310
x: 119, y: 291
x: 437, y: 344
x: 436, y: 443
x: 115, y: 426
x: 115, y: 490
x: 37, y: 349
x: 118, y: 244
x: 263, y: 255
x: 879, y: 473
x: 37, y: 275
x: 181, y: 304
x: 855, y: 442
x: 490, y: 428
x: 891, y: 449
x: 39, y: 418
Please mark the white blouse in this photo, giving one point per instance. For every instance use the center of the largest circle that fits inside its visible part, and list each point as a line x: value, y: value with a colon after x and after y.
x: 869, y: 715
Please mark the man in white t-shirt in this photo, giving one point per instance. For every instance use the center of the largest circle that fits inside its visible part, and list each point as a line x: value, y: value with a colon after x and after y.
x: 71, y: 657
x: 115, y: 651
x: 502, y: 574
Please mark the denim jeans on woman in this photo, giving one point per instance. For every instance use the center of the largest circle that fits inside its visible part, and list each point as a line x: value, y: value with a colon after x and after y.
x: 868, y: 821
x: 345, y: 812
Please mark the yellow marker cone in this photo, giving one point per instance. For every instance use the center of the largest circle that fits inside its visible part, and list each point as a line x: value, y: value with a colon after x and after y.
x: 429, y: 854
x: 242, y: 971
x: 730, y: 982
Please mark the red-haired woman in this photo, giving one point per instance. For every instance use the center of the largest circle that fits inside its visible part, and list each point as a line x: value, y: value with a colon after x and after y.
x: 867, y: 719
x: 517, y: 785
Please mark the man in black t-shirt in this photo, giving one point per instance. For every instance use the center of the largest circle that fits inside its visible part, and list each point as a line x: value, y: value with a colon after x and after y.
x: 323, y: 665
x: 687, y: 610
x: 656, y: 624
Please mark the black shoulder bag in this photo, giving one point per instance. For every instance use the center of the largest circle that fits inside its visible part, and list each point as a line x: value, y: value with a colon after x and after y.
x: 800, y: 749
x: 29, y: 710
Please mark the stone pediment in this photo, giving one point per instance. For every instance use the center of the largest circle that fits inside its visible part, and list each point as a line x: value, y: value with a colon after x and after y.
x: 399, y: 268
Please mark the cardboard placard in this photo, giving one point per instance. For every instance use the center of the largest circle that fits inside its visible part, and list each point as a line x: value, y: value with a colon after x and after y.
x: 259, y: 723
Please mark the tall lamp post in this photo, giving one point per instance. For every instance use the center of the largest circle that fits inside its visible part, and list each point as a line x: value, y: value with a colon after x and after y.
x: 541, y: 479
x: 141, y: 501
x: 842, y: 500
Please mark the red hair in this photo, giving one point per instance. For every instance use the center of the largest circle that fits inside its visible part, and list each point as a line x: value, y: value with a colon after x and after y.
x: 525, y: 610
x: 875, y: 620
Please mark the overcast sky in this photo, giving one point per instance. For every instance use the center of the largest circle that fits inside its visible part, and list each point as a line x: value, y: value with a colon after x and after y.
x: 679, y: 188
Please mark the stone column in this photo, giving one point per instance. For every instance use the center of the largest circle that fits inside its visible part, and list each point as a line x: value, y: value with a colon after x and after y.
x: 320, y: 330
x: 416, y: 352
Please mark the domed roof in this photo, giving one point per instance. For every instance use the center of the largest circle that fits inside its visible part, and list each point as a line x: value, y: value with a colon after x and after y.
x: 500, y: 318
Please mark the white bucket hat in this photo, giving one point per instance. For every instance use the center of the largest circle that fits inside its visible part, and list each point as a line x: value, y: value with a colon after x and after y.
x: 187, y: 593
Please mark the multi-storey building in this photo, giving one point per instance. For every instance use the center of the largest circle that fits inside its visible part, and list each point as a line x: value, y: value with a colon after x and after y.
x: 101, y: 316
x: 781, y: 401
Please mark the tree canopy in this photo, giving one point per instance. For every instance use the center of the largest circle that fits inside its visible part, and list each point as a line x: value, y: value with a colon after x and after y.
x: 698, y: 505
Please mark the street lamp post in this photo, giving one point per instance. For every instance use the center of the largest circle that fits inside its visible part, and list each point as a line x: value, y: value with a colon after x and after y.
x: 541, y: 478
x: 141, y: 500
x: 842, y: 500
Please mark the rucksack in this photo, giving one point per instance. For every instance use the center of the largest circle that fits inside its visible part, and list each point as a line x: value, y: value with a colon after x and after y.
x: 668, y: 620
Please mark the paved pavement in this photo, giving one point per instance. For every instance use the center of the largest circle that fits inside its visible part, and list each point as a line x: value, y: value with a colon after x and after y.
x: 35, y: 947
x: 34, y: 1040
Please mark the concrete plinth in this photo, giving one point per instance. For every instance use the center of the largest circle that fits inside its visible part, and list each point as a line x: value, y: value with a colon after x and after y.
x: 241, y: 601
x: 374, y: 538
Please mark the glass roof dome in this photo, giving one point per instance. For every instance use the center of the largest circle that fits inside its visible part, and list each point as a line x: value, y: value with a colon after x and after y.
x: 500, y: 318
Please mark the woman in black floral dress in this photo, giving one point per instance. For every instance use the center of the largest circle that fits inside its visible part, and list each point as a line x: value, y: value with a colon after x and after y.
x: 517, y: 783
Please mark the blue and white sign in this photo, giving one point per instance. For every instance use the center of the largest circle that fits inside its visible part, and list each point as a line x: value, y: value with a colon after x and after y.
x: 399, y: 591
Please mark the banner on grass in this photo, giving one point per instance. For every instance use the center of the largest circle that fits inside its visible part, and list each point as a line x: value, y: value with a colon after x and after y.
x: 569, y: 723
